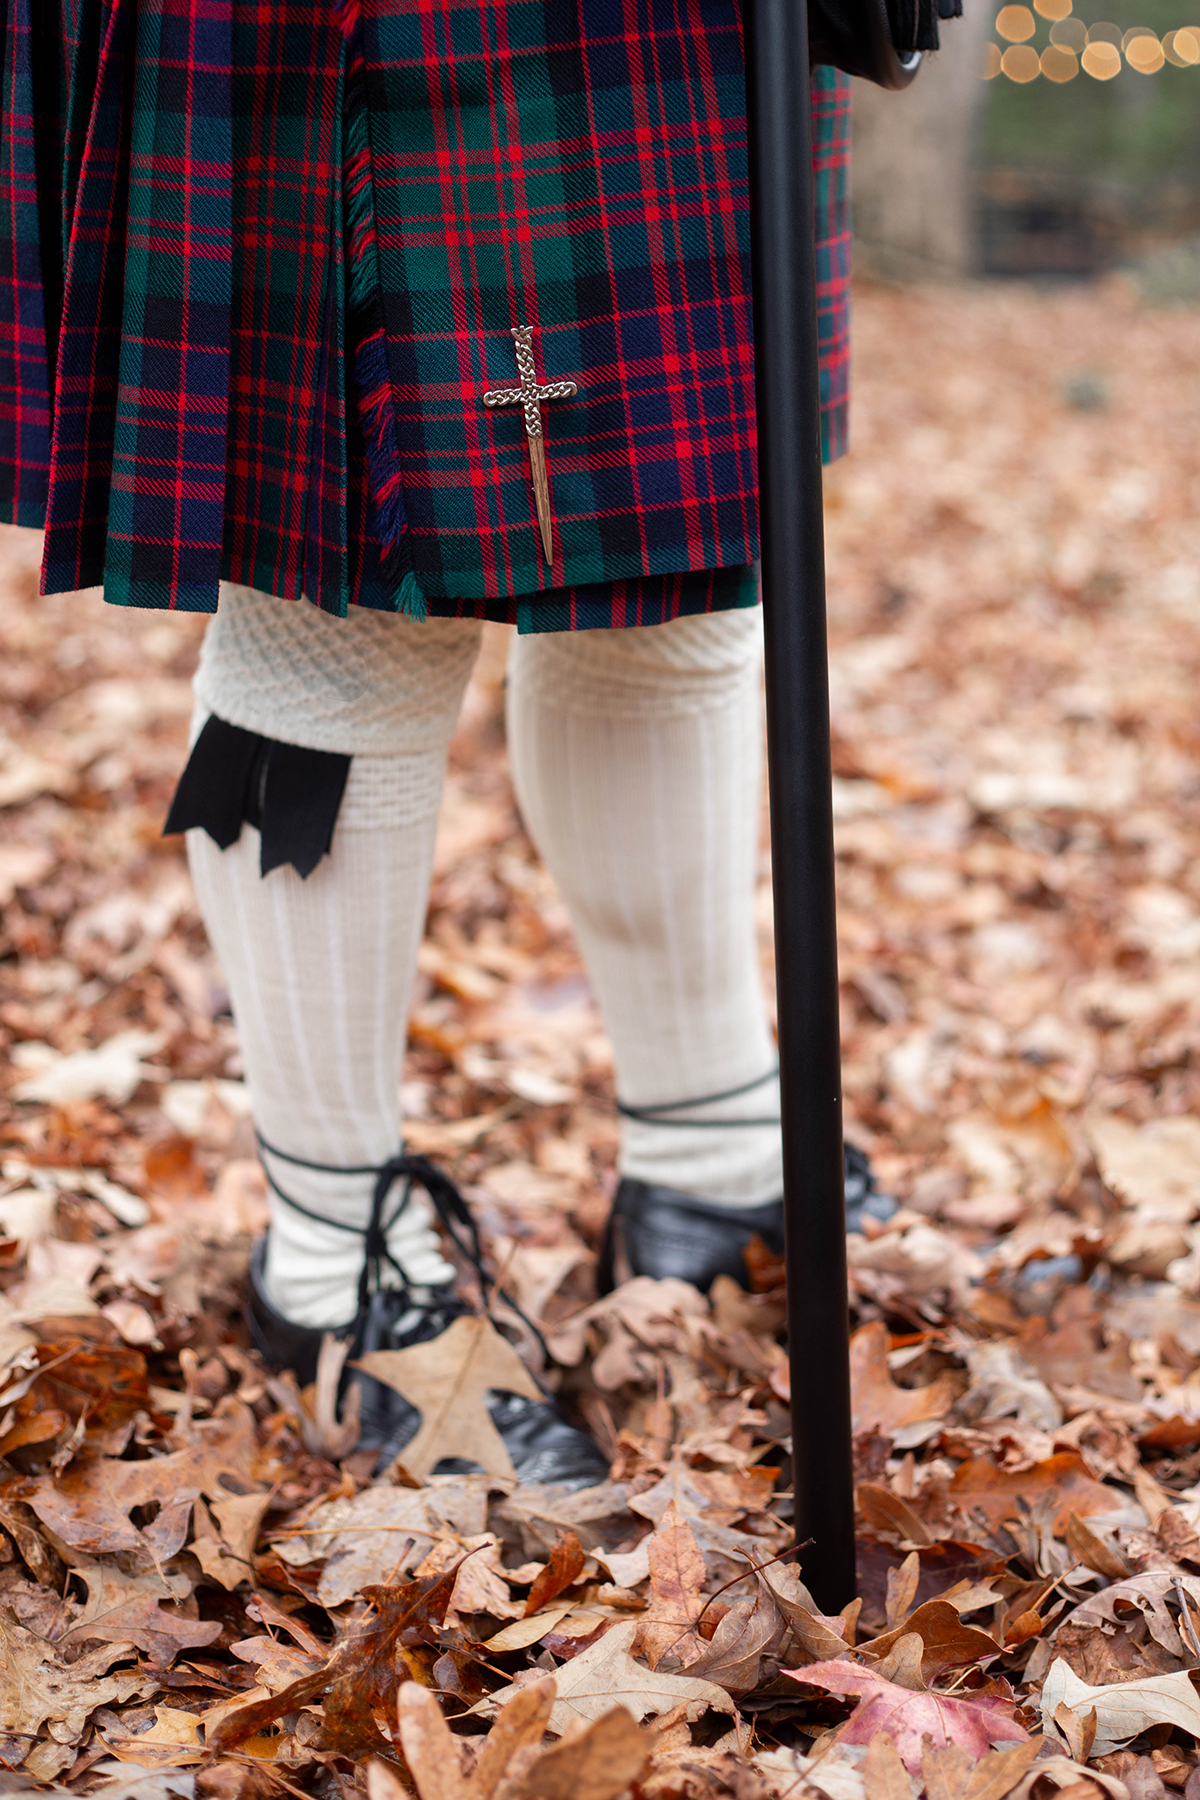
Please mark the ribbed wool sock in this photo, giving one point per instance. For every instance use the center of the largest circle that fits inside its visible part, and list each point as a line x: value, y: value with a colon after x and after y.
x: 637, y: 756
x: 320, y: 971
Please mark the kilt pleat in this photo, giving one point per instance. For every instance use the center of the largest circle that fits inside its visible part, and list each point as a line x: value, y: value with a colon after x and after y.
x: 260, y: 259
x: 25, y: 401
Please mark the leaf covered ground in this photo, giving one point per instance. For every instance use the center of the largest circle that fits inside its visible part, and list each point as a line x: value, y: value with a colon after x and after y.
x: 203, y: 1590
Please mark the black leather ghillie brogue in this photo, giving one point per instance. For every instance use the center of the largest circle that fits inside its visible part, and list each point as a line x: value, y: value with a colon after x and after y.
x: 543, y: 1446
x: 660, y: 1232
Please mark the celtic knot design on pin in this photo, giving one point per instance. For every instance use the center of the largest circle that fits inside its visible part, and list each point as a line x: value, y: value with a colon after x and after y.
x: 530, y: 396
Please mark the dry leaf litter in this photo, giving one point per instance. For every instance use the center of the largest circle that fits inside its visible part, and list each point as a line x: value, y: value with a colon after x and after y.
x: 204, y: 1591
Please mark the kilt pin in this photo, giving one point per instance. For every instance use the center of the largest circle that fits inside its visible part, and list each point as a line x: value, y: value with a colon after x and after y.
x: 264, y: 258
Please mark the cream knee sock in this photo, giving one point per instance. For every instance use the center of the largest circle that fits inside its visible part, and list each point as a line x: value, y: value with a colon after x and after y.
x: 320, y: 971
x: 637, y: 757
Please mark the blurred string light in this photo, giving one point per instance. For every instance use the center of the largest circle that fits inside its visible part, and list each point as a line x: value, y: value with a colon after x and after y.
x: 1098, y: 49
x: 1021, y: 62
x: 1101, y: 58
x: 1058, y: 64
x: 1015, y: 23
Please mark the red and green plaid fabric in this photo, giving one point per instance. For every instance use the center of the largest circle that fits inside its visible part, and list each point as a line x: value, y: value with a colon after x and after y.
x: 24, y: 357
x: 295, y: 236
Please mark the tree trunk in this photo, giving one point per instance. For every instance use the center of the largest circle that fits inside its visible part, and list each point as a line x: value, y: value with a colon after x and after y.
x: 914, y: 155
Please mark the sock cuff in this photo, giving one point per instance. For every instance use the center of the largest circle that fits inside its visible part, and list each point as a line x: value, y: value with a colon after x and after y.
x: 375, y: 684
x: 688, y: 665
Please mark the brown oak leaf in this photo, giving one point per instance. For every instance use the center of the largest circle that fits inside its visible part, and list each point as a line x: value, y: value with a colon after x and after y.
x: 448, y: 1381
x: 877, y: 1403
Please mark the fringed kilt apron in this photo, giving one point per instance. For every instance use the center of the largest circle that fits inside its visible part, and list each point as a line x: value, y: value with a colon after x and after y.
x: 261, y: 259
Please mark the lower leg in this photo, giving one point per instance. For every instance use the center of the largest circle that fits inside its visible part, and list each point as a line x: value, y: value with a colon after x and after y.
x: 637, y: 757
x: 320, y: 971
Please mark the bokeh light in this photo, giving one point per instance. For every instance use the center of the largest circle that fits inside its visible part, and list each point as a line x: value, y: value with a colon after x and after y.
x: 1144, y: 53
x: 1059, y: 64
x: 1101, y: 60
x: 1097, y: 49
x: 1021, y: 62
x: 1016, y: 23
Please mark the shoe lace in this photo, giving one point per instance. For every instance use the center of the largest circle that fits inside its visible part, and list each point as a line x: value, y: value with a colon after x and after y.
x: 654, y: 1115
x: 448, y: 1204
x: 860, y: 1181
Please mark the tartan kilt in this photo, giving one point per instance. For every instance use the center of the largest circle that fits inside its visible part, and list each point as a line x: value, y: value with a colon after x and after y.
x: 260, y: 260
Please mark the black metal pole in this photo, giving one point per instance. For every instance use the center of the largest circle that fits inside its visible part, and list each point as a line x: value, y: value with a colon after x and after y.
x: 797, y: 678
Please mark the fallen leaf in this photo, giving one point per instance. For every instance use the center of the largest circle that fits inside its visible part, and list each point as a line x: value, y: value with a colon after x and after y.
x: 1005, y: 1386
x: 226, y: 1556
x: 448, y: 1380
x: 172, y: 1742
x: 429, y: 1748
x: 676, y: 1579
x: 1154, y: 1499
x: 980, y: 1486
x: 947, y: 1642
x: 562, y: 1571
x: 21, y: 865
x: 605, y: 1673
x: 37, y: 1688
x: 1078, y: 1730
x: 1065, y: 1774
x: 383, y: 1532
x: 918, y: 1265
x: 749, y: 1634
x: 480, y: 1586
x: 902, y: 1664
x: 383, y: 1783
x: 886, y: 1511
x: 878, y: 1404
x: 1177, y: 1536
x: 884, y: 1775
x: 89, y: 1506
x: 276, y: 1664
x: 529, y: 1630
x: 1092, y: 1550
x: 902, y: 1584
x: 1152, y: 1600
x: 820, y: 1638
x: 998, y: 1773
x: 599, y: 1763
x: 1155, y: 1165
x: 360, y: 1678
x: 644, y: 1312
x: 946, y: 1770
x: 112, y: 1072
x: 911, y: 1717
x: 133, y: 1609
x: 1123, y: 1709
x: 519, y: 1727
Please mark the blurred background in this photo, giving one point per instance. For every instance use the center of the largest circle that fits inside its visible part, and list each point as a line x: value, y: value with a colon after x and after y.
x: 1045, y: 142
